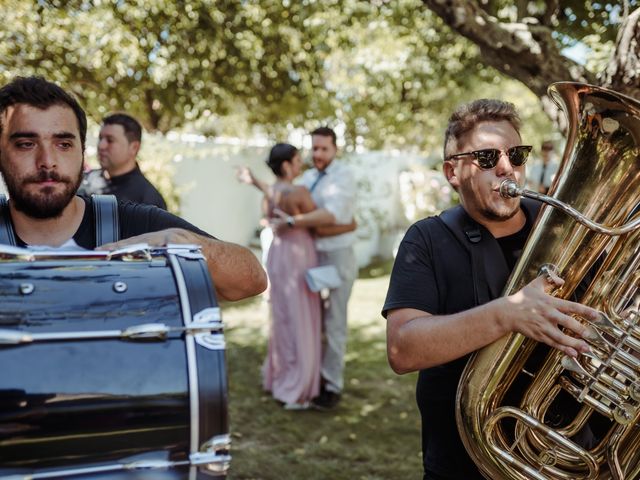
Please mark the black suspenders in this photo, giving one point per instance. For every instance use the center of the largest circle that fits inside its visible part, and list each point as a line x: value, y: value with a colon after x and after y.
x: 6, y: 228
x: 105, y: 213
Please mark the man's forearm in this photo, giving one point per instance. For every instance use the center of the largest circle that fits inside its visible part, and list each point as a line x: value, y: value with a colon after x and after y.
x: 316, y: 218
x: 336, y: 229
x: 426, y: 341
x: 417, y: 340
x: 235, y: 270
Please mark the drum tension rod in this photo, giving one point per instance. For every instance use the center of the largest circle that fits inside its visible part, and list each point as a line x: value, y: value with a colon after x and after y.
x: 146, y: 331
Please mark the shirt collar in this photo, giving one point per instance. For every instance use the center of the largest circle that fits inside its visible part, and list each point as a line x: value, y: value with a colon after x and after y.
x: 331, y: 168
x: 123, y: 177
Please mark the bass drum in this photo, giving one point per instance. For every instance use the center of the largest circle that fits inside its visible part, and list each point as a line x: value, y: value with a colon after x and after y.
x: 113, y: 365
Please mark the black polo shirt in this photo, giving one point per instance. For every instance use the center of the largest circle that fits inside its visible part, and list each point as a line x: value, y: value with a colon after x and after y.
x: 135, y: 219
x: 433, y: 272
x: 132, y: 186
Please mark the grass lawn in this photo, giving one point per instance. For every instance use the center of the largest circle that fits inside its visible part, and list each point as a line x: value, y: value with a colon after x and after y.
x: 374, y: 433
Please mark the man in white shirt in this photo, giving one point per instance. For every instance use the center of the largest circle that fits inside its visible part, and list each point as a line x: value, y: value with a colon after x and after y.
x: 542, y: 173
x: 333, y: 189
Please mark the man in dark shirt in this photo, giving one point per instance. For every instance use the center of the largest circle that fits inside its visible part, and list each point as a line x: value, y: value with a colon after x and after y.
x: 42, y: 139
x: 442, y: 306
x: 118, y: 146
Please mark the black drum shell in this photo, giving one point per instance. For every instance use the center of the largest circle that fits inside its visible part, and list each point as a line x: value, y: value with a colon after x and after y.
x: 72, y: 404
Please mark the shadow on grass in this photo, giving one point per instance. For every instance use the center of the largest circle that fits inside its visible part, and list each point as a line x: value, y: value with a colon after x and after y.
x: 374, y: 433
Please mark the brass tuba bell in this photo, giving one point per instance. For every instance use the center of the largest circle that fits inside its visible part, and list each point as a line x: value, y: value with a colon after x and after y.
x: 526, y: 411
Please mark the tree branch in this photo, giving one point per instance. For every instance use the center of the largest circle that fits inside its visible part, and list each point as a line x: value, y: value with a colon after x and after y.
x: 525, y: 51
x: 551, y: 10
x: 623, y: 72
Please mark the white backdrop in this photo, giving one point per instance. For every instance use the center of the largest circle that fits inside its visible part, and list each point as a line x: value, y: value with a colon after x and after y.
x: 214, y: 200
x: 204, y: 174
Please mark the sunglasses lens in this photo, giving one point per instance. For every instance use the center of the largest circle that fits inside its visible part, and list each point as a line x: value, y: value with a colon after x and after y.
x: 487, y: 158
x: 518, y: 155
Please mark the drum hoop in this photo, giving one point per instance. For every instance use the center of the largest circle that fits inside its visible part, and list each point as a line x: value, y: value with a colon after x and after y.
x: 137, y: 251
x: 192, y: 364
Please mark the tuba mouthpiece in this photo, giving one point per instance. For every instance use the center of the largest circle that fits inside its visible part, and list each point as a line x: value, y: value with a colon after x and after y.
x: 510, y: 189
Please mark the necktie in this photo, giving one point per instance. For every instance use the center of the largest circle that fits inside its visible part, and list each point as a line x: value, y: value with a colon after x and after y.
x: 315, y: 183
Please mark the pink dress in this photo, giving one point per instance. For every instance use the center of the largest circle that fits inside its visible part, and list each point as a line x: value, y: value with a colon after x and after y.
x: 291, y: 371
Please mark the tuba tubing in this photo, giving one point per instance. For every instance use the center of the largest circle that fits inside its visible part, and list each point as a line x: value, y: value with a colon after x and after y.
x: 523, y: 409
x: 510, y: 189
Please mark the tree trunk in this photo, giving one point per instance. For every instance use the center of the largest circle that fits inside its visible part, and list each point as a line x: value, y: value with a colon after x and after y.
x: 623, y: 72
x: 153, y: 118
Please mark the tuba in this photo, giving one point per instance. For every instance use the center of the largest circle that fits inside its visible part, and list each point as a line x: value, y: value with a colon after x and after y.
x: 526, y: 411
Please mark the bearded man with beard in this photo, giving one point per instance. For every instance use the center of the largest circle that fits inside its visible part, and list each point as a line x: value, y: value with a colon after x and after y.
x: 42, y: 142
x: 444, y: 297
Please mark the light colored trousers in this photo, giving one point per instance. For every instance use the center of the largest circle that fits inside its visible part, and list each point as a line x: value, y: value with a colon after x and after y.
x: 334, y: 317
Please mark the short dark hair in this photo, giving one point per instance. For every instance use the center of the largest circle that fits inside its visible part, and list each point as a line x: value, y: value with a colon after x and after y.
x: 468, y: 115
x: 40, y: 93
x: 280, y: 153
x: 326, y: 132
x: 547, y: 145
x: 132, y: 128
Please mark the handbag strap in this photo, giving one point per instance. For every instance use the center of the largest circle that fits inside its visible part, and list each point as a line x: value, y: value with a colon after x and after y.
x: 105, y: 211
x: 7, y: 237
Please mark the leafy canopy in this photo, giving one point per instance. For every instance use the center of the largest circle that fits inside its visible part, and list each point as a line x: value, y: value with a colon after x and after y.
x: 389, y: 71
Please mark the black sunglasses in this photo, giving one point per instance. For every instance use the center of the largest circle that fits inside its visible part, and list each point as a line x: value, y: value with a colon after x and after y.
x: 488, y: 157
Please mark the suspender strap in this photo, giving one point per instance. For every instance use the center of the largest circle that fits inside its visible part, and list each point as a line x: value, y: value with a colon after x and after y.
x: 469, y: 234
x: 105, y: 211
x: 6, y: 228
x: 489, y: 267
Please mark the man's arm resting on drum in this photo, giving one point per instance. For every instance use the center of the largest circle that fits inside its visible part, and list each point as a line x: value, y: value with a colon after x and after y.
x: 236, y: 272
x: 417, y: 340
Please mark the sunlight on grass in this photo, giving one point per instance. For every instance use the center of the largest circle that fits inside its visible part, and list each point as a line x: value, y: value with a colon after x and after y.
x: 373, y: 434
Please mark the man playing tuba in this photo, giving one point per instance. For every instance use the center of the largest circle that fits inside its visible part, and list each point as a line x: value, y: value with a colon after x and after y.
x: 444, y: 297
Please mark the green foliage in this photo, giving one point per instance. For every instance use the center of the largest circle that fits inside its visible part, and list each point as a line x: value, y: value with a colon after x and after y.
x: 579, y: 19
x: 390, y: 83
x: 156, y: 162
x: 388, y: 71
x: 166, y: 62
x: 572, y: 20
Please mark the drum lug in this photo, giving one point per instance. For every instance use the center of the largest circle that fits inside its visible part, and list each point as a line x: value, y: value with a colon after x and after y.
x: 208, y: 315
x: 146, y: 331
x: 213, y: 455
x: 213, y: 340
x: 131, y: 252
x: 191, y: 252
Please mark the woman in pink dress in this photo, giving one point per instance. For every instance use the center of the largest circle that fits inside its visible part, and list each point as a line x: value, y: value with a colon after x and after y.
x: 291, y: 371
